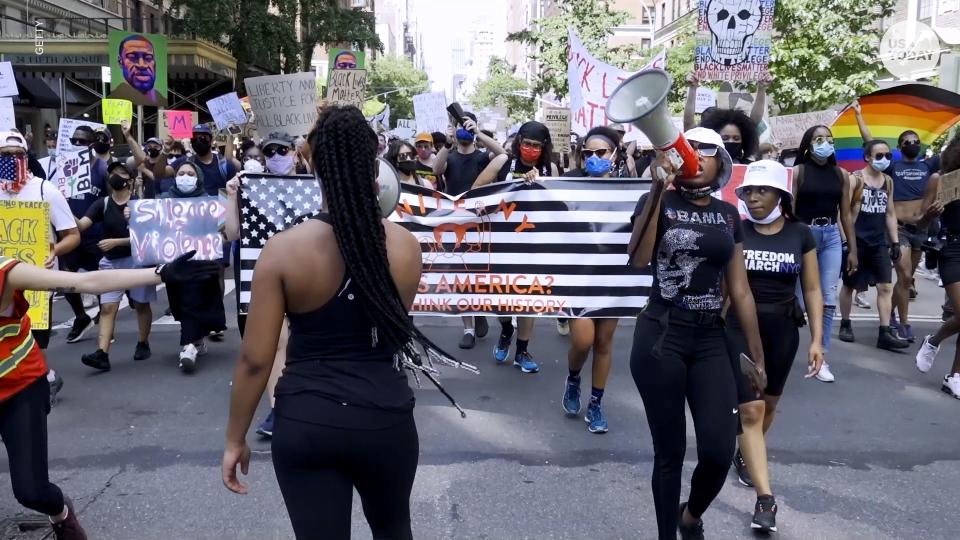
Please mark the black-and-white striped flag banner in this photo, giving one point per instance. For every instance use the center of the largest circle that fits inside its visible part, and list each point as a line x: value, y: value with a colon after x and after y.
x: 555, y: 248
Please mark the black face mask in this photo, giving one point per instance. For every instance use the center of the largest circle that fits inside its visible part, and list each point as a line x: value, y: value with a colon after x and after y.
x: 200, y: 146
x: 407, y: 167
x: 117, y: 182
x: 910, y: 150
x: 153, y: 152
x: 735, y: 149
x: 101, y: 147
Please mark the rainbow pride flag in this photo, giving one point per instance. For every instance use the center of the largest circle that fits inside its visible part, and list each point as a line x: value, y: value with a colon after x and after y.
x: 928, y: 110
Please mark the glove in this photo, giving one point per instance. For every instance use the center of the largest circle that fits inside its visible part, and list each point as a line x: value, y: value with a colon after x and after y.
x: 895, y: 251
x: 183, y: 270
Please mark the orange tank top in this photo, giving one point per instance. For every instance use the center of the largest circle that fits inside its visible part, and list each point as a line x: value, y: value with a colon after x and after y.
x: 21, y: 361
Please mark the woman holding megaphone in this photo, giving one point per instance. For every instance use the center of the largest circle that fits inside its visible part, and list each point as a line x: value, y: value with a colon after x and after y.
x: 693, y: 242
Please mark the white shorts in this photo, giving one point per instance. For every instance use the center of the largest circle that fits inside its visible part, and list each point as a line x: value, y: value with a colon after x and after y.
x: 141, y: 295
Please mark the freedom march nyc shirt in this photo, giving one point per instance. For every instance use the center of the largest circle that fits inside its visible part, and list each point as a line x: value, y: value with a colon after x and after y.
x: 774, y: 261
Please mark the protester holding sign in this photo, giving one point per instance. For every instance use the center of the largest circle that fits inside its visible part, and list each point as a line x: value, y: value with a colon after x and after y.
x: 24, y: 393
x: 694, y: 242
x: 738, y: 131
x: 198, y: 305
x: 689, y: 109
x: 115, y: 244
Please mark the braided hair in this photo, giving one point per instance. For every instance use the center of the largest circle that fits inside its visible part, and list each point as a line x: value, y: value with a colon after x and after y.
x: 345, y: 159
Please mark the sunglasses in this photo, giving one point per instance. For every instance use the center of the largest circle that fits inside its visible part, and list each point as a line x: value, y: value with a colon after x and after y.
x: 599, y: 153
x: 270, y: 150
x: 532, y: 145
x: 821, y: 139
x: 910, y: 143
x: 406, y: 156
x: 881, y: 155
x: 705, y: 149
x: 174, y: 156
x: 79, y: 142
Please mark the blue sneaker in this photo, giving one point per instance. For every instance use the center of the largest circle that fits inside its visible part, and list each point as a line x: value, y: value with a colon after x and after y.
x: 502, y: 350
x: 265, y: 429
x: 906, y: 333
x: 524, y: 362
x: 571, y: 398
x: 596, y: 423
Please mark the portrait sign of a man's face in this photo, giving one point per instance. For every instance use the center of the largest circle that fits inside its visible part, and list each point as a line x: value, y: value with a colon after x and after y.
x: 346, y: 60
x: 138, y: 68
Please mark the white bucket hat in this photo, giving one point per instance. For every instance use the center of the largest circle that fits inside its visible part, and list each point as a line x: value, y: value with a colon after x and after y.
x: 709, y: 136
x: 767, y: 173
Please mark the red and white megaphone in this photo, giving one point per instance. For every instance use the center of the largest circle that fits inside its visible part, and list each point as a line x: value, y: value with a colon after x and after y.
x: 641, y: 100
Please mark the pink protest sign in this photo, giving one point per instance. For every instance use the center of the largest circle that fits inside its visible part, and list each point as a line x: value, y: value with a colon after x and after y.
x: 178, y: 124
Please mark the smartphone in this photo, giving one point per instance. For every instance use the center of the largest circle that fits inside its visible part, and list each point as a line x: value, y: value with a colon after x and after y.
x: 753, y: 373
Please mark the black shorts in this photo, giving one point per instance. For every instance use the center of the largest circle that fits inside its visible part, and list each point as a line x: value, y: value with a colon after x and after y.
x: 950, y: 262
x: 874, y: 266
x: 86, y: 257
x: 910, y: 235
x: 780, y: 337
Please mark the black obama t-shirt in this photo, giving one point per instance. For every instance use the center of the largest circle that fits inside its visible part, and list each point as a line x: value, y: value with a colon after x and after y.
x: 774, y: 261
x: 694, y: 244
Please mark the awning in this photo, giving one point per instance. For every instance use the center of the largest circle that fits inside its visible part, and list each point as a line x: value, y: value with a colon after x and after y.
x: 35, y: 92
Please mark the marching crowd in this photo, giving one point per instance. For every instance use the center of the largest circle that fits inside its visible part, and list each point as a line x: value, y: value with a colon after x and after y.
x: 732, y: 286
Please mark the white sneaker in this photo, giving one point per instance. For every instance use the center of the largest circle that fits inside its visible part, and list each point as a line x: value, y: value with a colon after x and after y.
x: 825, y: 375
x: 188, y: 358
x: 951, y: 385
x: 926, y: 355
x: 861, y: 300
x: 89, y: 300
x: 563, y: 327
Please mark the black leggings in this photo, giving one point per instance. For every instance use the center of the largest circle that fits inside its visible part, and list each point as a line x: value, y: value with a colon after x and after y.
x: 780, y: 338
x: 317, y: 468
x: 23, y: 427
x: 691, y: 365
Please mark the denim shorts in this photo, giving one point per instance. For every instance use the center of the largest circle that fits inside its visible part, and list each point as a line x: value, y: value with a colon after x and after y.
x: 141, y: 295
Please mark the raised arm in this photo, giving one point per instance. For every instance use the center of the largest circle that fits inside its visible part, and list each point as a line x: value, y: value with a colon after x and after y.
x: 643, y: 240
x: 138, y: 155
x: 690, y: 107
x: 489, y: 143
x: 440, y: 164
x: 229, y: 152
x: 861, y: 123
x: 760, y: 103
x: 231, y: 220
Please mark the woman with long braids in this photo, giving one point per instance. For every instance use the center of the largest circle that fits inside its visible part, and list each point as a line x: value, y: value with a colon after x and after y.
x: 343, y: 417
x: 693, y: 243
x: 822, y: 192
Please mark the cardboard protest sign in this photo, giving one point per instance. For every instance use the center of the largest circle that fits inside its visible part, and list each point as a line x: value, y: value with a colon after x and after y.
x: 557, y: 120
x: 430, y: 111
x: 405, y: 129
x: 24, y: 235
x: 163, y: 229
x: 8, y: 84
x: 7, y: 120
x: 179, y: 123
x: 706, y: 98
x: 591, y: 82
x: 138, y: 67
x: 788, y: 129
x: 163, y: 125
x: 949, y: 189
x: 347, y: 87
x: 344, y: 59
x: 733, y: 40
x: 72, y: 174
x: 116, y: 111
x: 66, y: 129
x: 225, y: 109
x: 285, y: 103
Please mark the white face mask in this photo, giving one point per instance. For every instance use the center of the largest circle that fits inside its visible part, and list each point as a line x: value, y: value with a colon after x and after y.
x: 880, y: 165
x: 253, y: 166
x: 771, y: 217
x: 186, y: 183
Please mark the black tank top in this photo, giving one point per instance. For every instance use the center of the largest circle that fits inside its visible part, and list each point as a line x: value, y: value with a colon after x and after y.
x: 514, y: 169
x: 819, y: 193
x: 339, y: 372
x: 871, y: 224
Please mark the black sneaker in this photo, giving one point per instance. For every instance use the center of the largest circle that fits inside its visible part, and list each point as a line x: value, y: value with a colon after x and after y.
x: 216, y: 336
x: 97, y: 360
x: 846, y: 331
x: 80, y: 326
x: 742, y: 473
x: 889, y: 340
x: 689, y: 532
x: 69, y: 529
x: 55, y: 386
x: 142, y: 352
x: 468, y: 341
x: 765, y: 514
x: 482, y: 326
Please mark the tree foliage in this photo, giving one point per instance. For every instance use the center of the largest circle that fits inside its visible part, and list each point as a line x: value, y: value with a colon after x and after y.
x: 325, y: 22
x: 501, y: 88
x: 398, y: 76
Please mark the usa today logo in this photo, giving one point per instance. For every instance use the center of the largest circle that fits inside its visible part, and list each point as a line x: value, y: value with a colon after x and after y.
x: 909, y: 49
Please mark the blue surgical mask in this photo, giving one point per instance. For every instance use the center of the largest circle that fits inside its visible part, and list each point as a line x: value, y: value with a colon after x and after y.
x: 597, y: 166
x: 464, y: 135
x: 823, y: 150
x: 880, y: 165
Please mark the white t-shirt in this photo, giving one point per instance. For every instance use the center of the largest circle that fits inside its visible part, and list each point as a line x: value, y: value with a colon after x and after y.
x: 61, y: 218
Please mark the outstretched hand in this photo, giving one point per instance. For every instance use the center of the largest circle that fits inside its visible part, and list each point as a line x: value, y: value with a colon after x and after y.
x: 183, y: 270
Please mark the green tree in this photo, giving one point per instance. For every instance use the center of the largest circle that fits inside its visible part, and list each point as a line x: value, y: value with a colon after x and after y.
x: 394, y: 80
x: 821, y: 57
x: 502, y: 88
x: 592, y: 20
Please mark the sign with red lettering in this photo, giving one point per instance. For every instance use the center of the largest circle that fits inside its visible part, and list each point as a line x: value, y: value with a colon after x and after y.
x: 163, y: 229
x: 591, y: 82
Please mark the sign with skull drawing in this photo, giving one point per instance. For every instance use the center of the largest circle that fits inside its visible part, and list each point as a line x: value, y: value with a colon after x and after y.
x: 733, y: 39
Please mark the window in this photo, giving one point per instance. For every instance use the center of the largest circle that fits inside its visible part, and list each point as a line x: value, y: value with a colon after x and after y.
x: 924, y: 9
x: 663, y: 14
